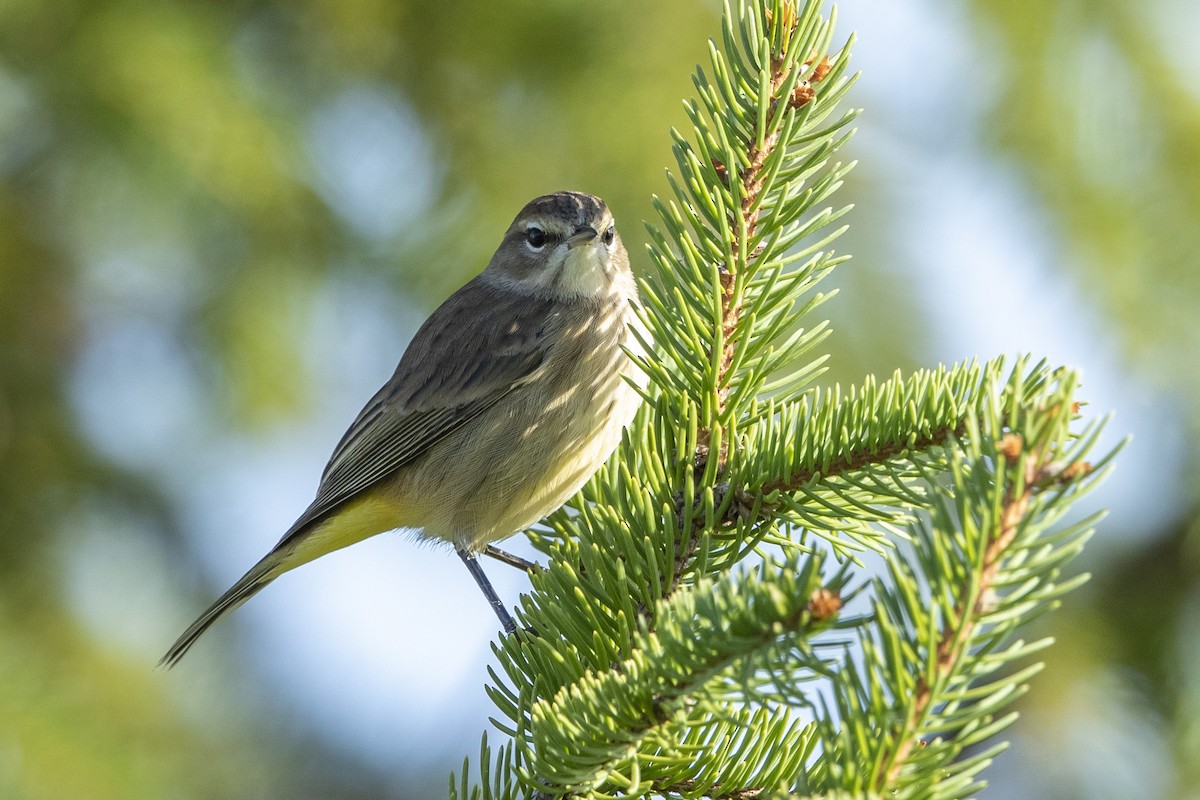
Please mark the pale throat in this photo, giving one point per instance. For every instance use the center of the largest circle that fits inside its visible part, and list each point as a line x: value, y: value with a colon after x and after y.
x: 586, y: 271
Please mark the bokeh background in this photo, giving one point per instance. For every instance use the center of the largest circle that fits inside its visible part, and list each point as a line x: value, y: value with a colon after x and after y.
x: 220, y: 223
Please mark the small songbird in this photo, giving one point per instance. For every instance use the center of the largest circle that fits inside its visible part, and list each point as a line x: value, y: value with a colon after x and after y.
x: 510, y: 396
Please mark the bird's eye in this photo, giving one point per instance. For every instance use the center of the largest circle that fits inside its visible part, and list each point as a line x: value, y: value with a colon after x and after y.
x: 609, y: 235
x: 536, y: 237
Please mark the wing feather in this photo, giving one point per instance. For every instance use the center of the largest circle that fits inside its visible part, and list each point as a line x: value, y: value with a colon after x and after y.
x: 469, y: 354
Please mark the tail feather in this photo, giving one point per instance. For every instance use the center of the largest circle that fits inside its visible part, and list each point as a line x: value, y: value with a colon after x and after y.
x: 249, y: 585
x: 365, y: 515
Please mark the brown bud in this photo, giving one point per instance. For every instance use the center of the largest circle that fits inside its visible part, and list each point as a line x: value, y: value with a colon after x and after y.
x: 802, y: 96
x: 1076, y: 469
x: 1011, y: 445
x: 1058, y: 472
x: 824, y: 604
x: 821, y: 70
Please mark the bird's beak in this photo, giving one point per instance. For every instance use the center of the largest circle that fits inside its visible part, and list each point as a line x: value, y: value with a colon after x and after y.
x: 583, y: 234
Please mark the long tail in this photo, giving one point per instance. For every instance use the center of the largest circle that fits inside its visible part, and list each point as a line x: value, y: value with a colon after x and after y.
x: 249, y: 585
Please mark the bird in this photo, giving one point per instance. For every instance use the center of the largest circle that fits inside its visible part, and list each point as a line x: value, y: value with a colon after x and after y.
x: 510, y: 396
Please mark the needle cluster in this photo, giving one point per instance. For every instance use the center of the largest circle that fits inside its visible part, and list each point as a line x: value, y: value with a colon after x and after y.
x: 706, y: 625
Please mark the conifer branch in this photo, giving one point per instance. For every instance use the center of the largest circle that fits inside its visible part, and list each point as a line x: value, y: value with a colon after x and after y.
x: 578, y: 736
x: 838, y: 454
x: 757, y: 186
x: 976, y: 594
x: 650, y: 662
x: 989, y: 560
x: 952, y: 644
x: 856, y: 461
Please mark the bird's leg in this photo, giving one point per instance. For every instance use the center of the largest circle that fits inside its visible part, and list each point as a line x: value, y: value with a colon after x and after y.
x: 485, y: 585
x: 513, y: 561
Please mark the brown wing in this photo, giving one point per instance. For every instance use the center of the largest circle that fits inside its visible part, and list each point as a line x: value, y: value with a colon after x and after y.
x: 478, y: 346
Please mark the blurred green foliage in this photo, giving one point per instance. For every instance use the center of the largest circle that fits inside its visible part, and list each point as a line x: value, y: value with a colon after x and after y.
x: 1098, y: 107
x: 1107, y: 131
x: 161, y: 165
